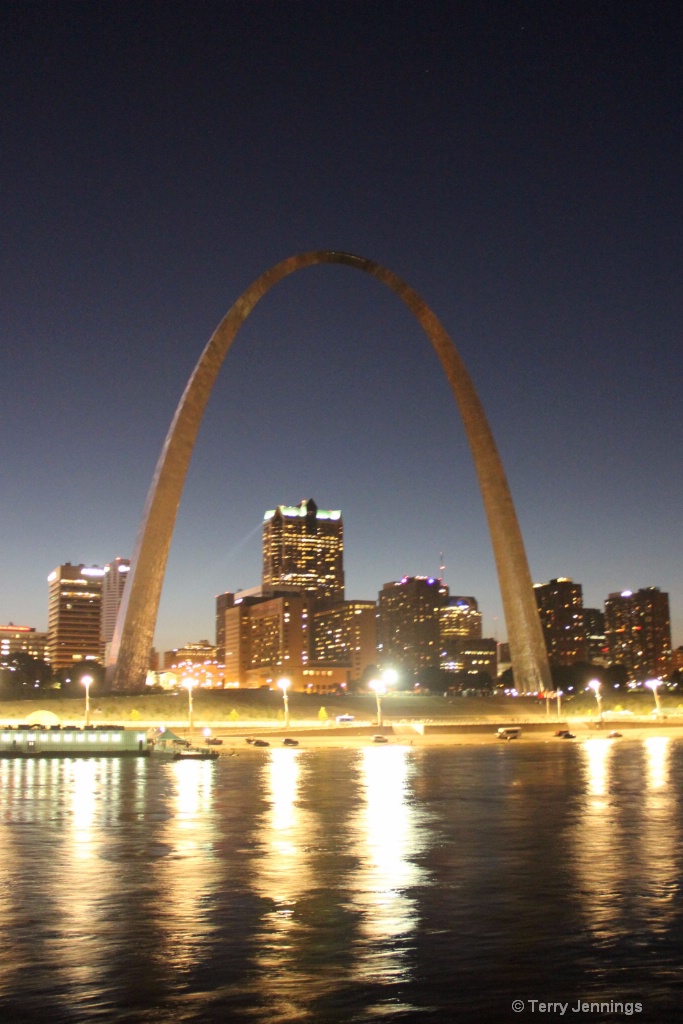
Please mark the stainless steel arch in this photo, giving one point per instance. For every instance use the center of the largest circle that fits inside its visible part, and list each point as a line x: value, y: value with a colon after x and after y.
x: 129, y: 654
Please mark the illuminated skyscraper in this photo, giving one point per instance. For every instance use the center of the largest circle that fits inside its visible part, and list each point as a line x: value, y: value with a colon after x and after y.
x: 346, y: 634
x: 75, y: 602
x: 303, y: 549
x: 638, y: 630
x: 596, y: 639
x: 408, y: 623
x: 113, y: 583
x: 265, y: 639
x: 461, y: 647
x: 459, y: 622
x: 223, y: 602
x: 560, y: 608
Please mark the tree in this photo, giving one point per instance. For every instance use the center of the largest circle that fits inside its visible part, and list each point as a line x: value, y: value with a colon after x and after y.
x: 24, y: 677
x: 70, y: 679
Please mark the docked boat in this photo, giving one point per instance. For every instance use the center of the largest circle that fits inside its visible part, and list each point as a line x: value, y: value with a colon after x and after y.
x: 196, y: 754
x: 170, y: 747
x: 64, y: 741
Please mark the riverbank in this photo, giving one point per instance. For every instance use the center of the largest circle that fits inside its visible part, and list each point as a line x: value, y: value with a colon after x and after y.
x: 422, y: 735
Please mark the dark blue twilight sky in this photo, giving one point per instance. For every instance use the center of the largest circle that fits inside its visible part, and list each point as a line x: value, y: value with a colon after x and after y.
x: 518, y: 163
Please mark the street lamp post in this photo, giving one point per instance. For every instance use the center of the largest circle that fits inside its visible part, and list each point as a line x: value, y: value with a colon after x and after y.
x: 284, y: 685
x: 380, y: 689
x: 87, y: 680
x: 653, y: 684
x: 189, y: 683
x: 595, y: 687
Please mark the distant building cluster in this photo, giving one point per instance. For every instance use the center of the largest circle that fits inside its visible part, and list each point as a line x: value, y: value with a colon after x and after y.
x: 299, y: 624
x: 634, y: 630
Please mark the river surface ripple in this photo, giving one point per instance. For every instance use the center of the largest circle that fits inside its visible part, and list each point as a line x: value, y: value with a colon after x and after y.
x: 371, y: 884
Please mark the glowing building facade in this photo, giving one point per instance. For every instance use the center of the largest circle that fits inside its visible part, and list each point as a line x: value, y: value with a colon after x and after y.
x: 278, y: 631
x: 113, y: 584
x: 408, y: 623
x: 638, y: 630
x: 22, y: 640
x: 74, y: 609
x: 303, y: 549
x: 560, y: 608
x: 346, y: 635
x: 459, y: 622
x: 223, y: 602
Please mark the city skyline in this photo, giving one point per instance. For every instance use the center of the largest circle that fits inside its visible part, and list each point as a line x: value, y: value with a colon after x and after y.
x: 463, y: 606
x: 521, y: 171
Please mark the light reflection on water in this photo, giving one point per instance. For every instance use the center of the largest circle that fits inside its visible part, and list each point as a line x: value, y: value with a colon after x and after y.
x: 387, y: 839
x: 372, y: 883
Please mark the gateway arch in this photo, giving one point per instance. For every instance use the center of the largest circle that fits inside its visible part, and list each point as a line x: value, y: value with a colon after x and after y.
x: 129, y: 653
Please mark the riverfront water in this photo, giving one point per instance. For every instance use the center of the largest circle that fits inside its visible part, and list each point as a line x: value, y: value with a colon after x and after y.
x: 376, y: 884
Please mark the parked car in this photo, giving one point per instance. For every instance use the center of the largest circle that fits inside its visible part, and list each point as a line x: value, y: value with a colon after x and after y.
x: 509, y: 732
x: 345, y: 718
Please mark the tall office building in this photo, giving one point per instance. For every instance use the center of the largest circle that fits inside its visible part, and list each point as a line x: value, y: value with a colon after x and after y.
x: 267, y: 638
x: 560, y: 608
x: 597, y: 647
x: 113, y: 584
x: 303, y: 549
x: 475, y: 656
x: 346, y: 635
x: 459, y: 622
x: 75, y: 603
x: 638, y: 629
x: 223, y: 602
x: 408, y: 623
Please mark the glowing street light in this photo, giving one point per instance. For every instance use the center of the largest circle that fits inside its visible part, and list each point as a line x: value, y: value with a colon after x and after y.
x: 653, y: 684
x: 594, y: 685
x: 284, y: 685
x: 378, y: 685
x: 87, y: 680
x: 389, y: 677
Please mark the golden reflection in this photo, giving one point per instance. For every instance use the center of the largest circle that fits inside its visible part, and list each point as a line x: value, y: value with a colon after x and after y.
x: 600, y: 857
x: 193, y: 783
x: 189, y: 871
x: 389, y: 837
x: 284, y: 781
x: 657, y: 750
x: 598, y: 754
x: 10, y: 856
x: 659, y: 835
x: 83, y: 793
x: 284, y: 870
x: 626, y: 836
x: 89, y: 788
x: 285, y: 876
